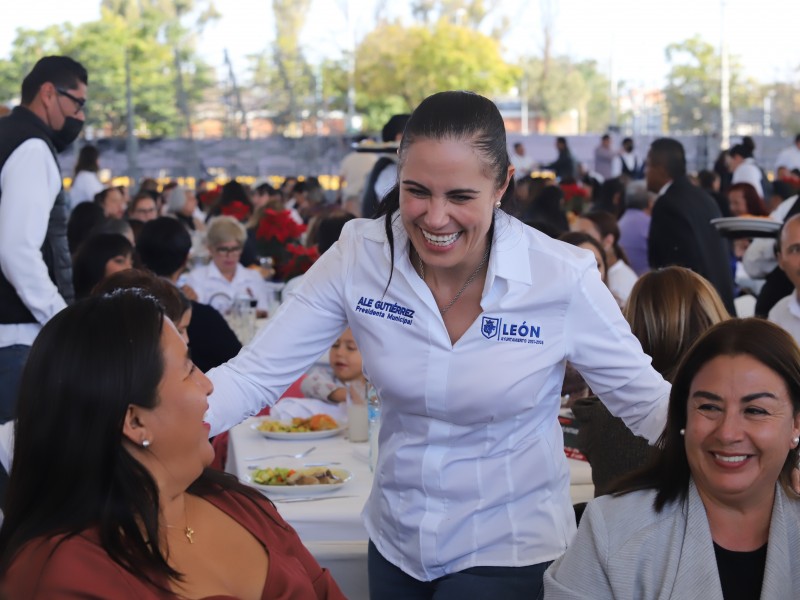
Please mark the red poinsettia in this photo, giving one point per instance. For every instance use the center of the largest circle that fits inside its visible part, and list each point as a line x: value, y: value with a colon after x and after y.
x: 300, y: 260
x: 236, y: 209
x: 279, y: 225
x: 278, y: 236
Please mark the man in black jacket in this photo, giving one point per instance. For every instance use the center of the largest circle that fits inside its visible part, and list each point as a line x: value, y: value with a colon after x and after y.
x: 35, y: 266
x: 680, y: 228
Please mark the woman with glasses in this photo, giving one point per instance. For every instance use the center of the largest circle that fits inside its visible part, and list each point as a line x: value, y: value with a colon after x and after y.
x: 224, y: 279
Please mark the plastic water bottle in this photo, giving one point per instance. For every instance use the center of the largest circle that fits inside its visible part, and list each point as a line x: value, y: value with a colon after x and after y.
x: 374, y: 416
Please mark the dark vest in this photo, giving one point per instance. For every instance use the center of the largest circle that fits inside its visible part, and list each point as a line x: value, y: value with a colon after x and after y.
x: 636, y: 173
x: 15, y: 129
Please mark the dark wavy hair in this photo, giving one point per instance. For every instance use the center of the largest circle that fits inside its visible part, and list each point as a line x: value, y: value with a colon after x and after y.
x: 454, y: 115
x: 767, y: 343
x: 71, y: 471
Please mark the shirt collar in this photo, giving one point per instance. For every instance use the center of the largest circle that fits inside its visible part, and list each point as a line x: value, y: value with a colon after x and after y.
x: 665, y: 187
x: 509, y: 258
x: 215, y: 273
x: 794, y: 305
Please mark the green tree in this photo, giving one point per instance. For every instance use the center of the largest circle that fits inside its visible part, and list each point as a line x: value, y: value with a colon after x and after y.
x: 281, y: 79
x: 140, y: 28
x: 785, y: 99
x: 693, y: 86
x: 398, y: 66
x: 556, y: 85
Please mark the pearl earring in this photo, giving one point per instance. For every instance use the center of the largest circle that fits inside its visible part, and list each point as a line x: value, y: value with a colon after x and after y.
x: 683, y: 432
x: 796, y: 441
x: 145, y: 443
x: 497, y: 204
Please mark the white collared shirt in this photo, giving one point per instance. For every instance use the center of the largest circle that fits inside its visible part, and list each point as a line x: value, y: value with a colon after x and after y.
x: 213, y: 288
x: 786, y: 313
x: 471, y: 468
x: 30, y: 181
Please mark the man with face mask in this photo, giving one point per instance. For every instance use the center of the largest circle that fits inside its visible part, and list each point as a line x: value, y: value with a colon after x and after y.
x: 35, y: 267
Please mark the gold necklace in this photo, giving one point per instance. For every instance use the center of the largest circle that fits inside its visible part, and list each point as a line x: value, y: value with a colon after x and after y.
x: 469, y: 280
x: 188, y: 532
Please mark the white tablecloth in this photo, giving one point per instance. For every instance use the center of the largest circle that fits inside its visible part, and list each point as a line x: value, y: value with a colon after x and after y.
x: 332, y: 529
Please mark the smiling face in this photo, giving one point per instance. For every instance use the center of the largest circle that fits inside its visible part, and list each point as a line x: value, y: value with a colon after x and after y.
x: 178, y: 434
x: 346, y: 358
x: 447, y: 199
x: 739, y: 430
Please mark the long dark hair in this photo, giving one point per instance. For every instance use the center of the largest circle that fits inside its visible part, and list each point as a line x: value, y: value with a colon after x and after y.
x: 767, y: 343
x: 455, y: 115
x: 87, y: 159
x: 71, y: 471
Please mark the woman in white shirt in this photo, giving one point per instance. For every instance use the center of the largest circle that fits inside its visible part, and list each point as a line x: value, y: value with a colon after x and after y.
x: 224, y: 279
x: 602, y: 226
x: 85, y: 184
x: 465, y: 319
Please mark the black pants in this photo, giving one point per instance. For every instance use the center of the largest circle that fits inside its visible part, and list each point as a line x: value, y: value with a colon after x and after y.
x: 387, y: 582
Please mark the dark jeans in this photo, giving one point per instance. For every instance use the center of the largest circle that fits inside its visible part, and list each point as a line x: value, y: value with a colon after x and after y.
x: 12, y: 359
x: 387, y: 582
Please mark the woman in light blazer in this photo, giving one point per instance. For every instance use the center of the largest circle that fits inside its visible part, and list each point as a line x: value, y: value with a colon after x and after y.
x: 714, y: 516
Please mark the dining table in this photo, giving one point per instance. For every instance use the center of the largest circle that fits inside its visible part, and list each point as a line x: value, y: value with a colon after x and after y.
x: 329, y: 523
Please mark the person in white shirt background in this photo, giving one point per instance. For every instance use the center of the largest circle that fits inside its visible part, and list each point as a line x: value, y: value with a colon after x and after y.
x: 603, y: 227
x: 224, y: 279
x: 744, y: 167
x: 789, y: 158
x: 465, y: 319
x: 523, y: 164
x: 35, y: 266
x: 86, y: 184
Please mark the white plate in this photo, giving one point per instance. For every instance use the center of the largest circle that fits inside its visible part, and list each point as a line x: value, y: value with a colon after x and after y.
x: 299, y: 435
x: 305, y: 490
x: 756, y: 225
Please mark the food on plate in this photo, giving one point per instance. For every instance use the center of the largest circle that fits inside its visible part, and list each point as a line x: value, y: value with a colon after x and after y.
x: 284, y: 476
x: 319, y: 422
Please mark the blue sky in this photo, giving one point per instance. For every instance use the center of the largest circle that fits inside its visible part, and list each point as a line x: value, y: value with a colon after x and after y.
x: 626, y: 37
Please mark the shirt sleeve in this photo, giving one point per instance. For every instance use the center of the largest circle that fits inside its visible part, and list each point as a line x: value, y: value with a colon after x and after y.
x: 319, y: 383
x: 603, y: 349
x: 30, y: 181
x: 302, y: 329
x: 582, y: 571
x: 73, y: 570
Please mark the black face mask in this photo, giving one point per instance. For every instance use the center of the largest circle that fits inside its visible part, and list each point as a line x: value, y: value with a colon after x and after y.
x: 67, y: 134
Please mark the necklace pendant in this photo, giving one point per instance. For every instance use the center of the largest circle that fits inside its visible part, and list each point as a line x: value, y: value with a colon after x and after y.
x: 189, y: 532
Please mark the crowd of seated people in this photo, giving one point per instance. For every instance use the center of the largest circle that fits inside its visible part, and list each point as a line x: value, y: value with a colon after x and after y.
x: 669, y: 303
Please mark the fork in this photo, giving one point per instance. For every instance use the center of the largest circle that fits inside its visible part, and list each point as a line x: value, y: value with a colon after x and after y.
x: 298, y: 455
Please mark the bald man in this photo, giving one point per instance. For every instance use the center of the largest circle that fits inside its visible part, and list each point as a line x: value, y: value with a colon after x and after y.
x: 786, y: 312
